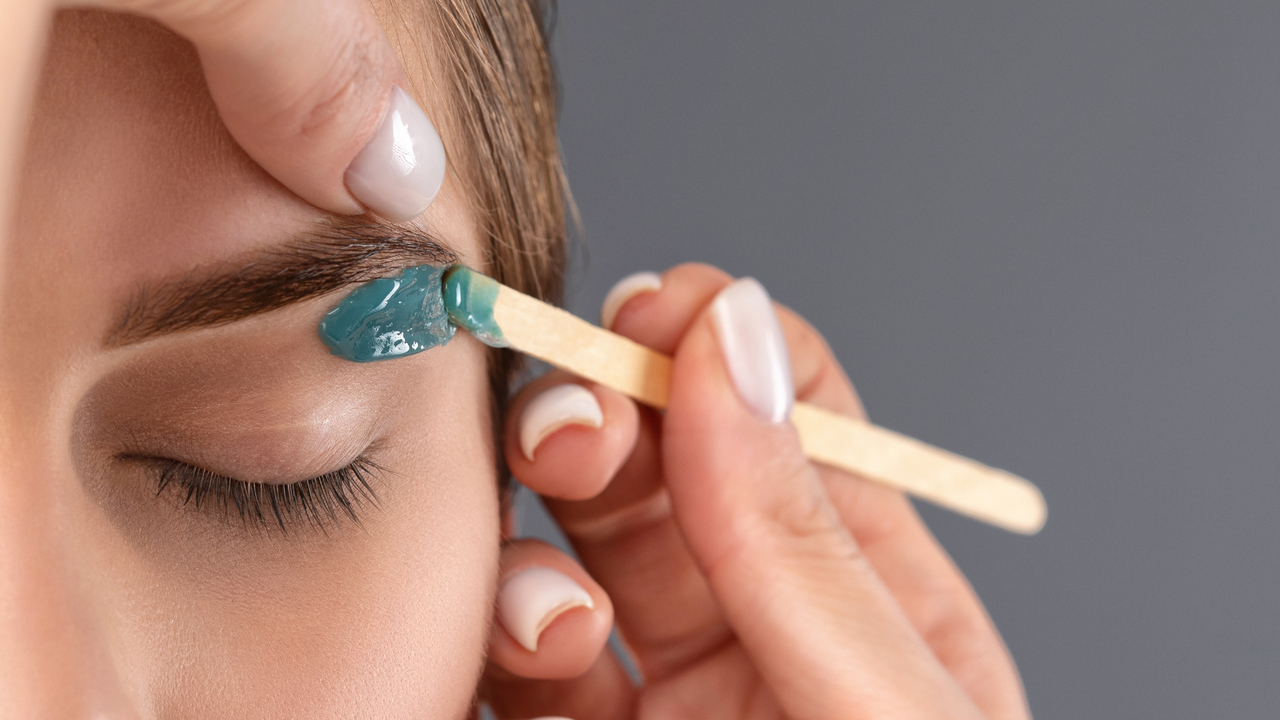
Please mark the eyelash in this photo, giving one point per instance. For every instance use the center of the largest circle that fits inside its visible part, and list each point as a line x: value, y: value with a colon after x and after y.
x: 315, y: 502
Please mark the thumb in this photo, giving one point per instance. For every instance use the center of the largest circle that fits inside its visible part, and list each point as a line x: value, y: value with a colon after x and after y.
x: 821, y: 628
x: 312, y: 92
x: 728, y: 446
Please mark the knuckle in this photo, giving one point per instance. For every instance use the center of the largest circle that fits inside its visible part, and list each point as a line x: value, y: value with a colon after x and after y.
x: 346, y: 89
x: 632, y: 525
x: 805, y: 517
x: 795, y: 519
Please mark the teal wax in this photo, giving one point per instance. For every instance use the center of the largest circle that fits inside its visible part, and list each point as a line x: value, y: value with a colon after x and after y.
x: 414, y: 311
x: 469, y: 298
x: 390, y: 317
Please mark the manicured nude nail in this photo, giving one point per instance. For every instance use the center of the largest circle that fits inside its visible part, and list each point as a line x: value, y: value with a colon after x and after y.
x: 531, y: 599
x: 554, y: 408
x: 627, y: 288
x: 401, y: 168
x: 754, y: 349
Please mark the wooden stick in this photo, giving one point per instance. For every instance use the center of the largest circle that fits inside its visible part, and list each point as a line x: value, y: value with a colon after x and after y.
x: 965, y: 486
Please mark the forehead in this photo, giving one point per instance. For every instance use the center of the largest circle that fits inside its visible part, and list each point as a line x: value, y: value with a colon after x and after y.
x: 130, y: 175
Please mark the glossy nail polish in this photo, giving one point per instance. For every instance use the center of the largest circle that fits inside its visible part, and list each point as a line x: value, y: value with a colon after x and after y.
x: 754, y: 349
x: 627, y: 288
x: 552, y: 409
x: 533, y: 598
x: 401, y: 168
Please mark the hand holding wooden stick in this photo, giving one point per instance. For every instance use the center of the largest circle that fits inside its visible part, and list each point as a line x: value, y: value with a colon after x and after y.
x: 952, y: 481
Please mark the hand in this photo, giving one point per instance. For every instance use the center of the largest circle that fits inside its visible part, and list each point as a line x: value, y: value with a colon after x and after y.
x: 311, y: 91
x: 746, y: 581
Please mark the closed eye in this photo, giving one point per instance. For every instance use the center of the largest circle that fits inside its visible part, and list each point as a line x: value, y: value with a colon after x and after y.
x: 317, y: 502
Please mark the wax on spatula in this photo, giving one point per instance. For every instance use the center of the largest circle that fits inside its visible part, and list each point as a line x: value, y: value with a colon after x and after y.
x: 503, y: 317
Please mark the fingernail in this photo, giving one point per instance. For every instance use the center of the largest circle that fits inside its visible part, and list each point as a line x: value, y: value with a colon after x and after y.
x: 627, y: 288
x: 754, y: 349
x: 400, y: 170
x: 552, y: 409
x: 531, y: 599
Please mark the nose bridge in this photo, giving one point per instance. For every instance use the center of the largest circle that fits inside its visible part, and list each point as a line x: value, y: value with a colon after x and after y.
x: 54, y: 657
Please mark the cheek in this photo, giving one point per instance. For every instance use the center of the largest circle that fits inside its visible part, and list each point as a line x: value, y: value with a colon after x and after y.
x: 385, y: 620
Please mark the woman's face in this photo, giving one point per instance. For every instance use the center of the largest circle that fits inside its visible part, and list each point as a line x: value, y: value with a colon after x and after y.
x: 139, y: 223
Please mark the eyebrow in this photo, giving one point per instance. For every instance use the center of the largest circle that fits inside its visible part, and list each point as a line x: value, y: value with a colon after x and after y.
x: 325, y: 257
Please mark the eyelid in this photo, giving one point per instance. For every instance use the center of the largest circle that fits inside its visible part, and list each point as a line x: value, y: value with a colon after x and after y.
x: 272, y: 437
x: 318, y: 502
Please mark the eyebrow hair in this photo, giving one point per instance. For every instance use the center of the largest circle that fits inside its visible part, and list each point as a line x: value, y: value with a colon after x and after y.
x: 319, y: 260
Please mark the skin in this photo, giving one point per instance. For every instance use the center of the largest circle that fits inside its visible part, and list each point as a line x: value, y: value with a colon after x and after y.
x: 199, y: 615
x: 747, y: 581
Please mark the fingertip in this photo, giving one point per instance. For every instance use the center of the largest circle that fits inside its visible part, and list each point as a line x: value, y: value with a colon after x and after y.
x: 400, y: 169
x: 753, y: 349
x: 313, y: 93
x: 567, y: 440
x: 659, y: 318
x: 553, y: 618
x: 554, y: 408
x: 532, y: 598
x: 623, y: 291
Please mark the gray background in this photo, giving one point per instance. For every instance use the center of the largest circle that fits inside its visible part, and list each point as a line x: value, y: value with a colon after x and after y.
x: 1040, y: 234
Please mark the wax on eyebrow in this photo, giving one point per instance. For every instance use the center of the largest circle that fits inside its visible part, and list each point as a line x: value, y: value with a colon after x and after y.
x: 390, y: 317
x: 415, y: 311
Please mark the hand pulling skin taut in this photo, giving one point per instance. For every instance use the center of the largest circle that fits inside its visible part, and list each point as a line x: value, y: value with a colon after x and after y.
x: 422, y: 307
